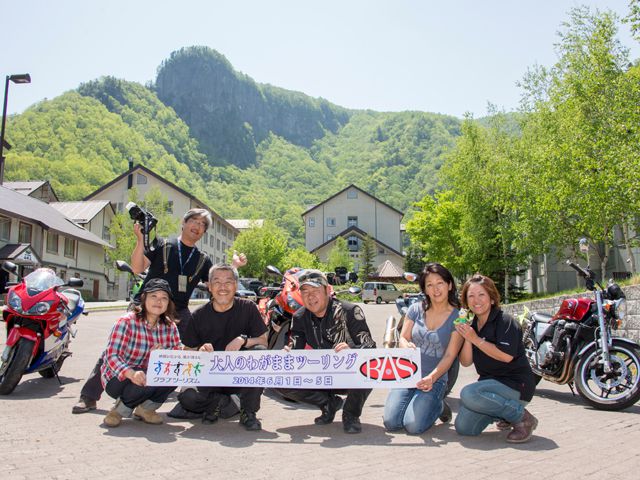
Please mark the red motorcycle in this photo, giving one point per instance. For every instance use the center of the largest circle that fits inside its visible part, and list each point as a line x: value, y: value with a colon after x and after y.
x: 40, y: 321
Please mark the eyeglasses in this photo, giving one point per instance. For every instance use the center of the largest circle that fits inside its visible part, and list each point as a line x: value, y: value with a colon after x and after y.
x: 200, y: 223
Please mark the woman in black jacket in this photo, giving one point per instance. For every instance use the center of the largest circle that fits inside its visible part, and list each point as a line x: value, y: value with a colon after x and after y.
x: 493, y: 343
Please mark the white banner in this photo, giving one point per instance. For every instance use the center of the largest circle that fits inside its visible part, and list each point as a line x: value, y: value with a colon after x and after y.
x: 317, y: 369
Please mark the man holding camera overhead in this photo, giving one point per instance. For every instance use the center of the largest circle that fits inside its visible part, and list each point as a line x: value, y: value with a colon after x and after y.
x: 181, y: 264
x: 177, y: 260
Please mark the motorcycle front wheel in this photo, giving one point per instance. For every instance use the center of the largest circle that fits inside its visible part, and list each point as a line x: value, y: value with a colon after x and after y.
x: 616, y: 390
x: 11, y: 371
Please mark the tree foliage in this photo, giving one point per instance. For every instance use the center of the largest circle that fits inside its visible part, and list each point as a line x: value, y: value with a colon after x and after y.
x: 339, y: 256
x: 266, y: 245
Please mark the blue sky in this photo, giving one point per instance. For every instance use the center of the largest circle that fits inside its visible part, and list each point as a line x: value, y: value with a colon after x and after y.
x: 439, y: 56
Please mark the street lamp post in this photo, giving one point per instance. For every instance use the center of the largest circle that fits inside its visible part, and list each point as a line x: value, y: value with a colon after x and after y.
x: 20, y: 78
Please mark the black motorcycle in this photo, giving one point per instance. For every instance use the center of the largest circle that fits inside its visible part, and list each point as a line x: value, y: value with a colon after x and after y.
x: 578, y: 346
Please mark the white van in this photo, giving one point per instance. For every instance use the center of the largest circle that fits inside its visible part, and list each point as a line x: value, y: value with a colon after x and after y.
x: 380, y: 292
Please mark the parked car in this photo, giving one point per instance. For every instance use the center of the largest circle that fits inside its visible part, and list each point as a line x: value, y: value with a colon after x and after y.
x: 380, y: 292
x: 254, y: 284
x: 244, y: 292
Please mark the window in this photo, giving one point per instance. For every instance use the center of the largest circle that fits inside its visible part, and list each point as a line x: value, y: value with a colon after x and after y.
x: 106, y: 235
x: 69, y: 247
x: 331, y: 221
x: 141, y: 179
x: 205, y: 238
x: 52, y: 242
x: 5, y: 228
x: 352, y: 243
x: 217, y: 259
x: 218, y: 244
x: 224, y: 247
x: 352, y: 193
x: 211, y: 241
x: 218, y: 227
x: 352, y: 221
x: 224, y: 231
x: 119, y: 207
x: 330, y: 237
x: 170, y: 206
x: 24, y: 233
x: 63, y: 275
x: 312, y: 222
x: 380, y: 250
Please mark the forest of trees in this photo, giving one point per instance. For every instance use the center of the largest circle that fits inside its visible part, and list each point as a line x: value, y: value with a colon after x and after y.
x: 570, y: 171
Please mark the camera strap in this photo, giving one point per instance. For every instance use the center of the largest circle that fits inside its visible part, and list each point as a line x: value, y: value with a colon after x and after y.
x: 165, y: 260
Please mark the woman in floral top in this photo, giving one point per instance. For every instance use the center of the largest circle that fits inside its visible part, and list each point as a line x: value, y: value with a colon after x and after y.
x: 125, y: 360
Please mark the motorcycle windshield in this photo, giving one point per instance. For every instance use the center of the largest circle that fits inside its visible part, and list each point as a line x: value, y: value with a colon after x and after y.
x: 41, y: 280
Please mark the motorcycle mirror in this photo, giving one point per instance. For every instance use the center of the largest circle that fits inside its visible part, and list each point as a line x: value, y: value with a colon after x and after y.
x: 124, y: 267
x: 410, y: 277
x: 354, y: 290
x: 74, y: 282
x: 271, y: 270
x: 9, y: 267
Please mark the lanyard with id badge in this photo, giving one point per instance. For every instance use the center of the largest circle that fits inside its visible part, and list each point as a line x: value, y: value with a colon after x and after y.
x: 182, y: 278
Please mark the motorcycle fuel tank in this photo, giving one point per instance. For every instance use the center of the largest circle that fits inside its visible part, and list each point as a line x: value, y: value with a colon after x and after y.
x: 573, y: 309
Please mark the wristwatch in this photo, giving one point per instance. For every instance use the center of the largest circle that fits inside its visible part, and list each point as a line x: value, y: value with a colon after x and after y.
x: 245, y: 339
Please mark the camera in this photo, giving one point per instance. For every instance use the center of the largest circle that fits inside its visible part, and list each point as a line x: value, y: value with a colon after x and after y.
x: 146, y: 220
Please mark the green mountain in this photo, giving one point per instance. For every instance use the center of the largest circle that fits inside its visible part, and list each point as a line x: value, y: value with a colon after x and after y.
x: 248, y: 150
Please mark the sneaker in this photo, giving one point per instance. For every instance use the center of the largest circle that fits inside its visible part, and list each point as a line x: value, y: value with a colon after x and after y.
x: 249, y: 421
x: 84, y: 405
x: 503, y: 425
x: 209, y: 418
x: 113, y: 418
x: 181, y: 413
x: 446, y: 414
x: 523, y: 430
x: 329, y: 410
x: 351, y: 423
x: 147, y: 416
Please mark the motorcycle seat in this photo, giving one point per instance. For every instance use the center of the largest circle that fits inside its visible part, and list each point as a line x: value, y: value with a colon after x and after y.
x: 73, y: 297
x: 541, y: 317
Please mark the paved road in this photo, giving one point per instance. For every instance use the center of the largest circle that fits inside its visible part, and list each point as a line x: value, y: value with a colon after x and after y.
x: 39, y: 438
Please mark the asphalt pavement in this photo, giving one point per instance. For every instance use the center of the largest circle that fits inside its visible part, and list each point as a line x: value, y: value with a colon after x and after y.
x: 40, y: 438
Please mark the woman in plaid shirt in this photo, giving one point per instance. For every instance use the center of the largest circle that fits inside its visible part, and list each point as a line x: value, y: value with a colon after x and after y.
x: 125, y: 360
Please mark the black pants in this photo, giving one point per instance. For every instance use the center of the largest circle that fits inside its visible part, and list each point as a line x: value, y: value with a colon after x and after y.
x: 92, y: 388
x: 207, y: 399
x: 133, y: 395
x: 353, y: 404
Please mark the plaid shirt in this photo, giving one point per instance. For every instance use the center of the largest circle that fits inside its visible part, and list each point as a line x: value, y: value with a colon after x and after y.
x: 130, y: 344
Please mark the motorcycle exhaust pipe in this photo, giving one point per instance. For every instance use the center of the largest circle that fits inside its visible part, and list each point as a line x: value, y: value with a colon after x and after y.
x: 389, y: 340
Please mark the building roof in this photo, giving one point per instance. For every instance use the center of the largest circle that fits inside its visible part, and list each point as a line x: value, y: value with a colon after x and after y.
x: 245, y: 223
x: 163, y: 180
x: 347, y: 188
x: 359, y: 232
x: 28, y: 187
x: 81, y: 212
x: 20, y: 253
x: 16, y: 205
x: 387, y: 269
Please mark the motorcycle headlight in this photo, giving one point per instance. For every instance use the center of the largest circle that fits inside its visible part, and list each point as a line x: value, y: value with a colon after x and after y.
x: 40, y: 308
x: 620, y: 308
x: 15, y: 302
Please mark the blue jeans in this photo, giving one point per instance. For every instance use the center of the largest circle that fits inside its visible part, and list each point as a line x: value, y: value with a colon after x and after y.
x: 484, y: 402
x: 413, y: 409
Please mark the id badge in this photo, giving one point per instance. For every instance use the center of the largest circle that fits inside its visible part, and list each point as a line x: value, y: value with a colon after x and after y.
x: 182, y: 283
